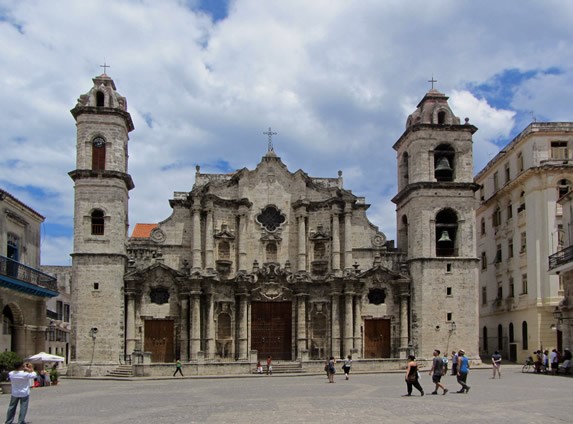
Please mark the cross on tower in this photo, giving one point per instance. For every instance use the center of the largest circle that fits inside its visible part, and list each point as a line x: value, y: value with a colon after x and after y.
x: 270, y: 133
x: 104, y: 66
x: 432, y: 81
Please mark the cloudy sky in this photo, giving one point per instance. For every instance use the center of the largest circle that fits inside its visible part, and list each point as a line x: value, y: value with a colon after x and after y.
x: 204, y: 79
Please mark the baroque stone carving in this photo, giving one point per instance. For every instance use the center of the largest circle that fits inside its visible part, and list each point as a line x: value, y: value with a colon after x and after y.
x: 157, y: 235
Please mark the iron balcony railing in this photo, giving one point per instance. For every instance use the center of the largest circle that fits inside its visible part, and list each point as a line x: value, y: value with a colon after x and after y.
x: 16, y: 270
x: 561, y: 258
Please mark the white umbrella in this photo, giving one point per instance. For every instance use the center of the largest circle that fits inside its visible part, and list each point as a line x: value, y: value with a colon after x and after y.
x: 45, y: 357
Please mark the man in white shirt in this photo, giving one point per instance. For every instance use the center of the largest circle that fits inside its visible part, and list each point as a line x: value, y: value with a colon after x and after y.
x: 20, y: 379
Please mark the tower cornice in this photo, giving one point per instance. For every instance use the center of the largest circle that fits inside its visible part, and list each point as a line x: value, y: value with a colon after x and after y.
x: 79, y: 174
x: 79, y: 110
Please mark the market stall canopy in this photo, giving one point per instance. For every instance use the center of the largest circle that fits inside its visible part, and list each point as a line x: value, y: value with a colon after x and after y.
x: 45, y: 357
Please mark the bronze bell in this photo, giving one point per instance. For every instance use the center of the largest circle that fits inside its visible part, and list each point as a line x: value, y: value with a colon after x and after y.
x: 443, y: 168
x: 445, y: 238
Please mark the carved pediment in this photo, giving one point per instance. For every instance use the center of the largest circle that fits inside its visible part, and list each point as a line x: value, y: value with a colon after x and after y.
x: 271, y: 291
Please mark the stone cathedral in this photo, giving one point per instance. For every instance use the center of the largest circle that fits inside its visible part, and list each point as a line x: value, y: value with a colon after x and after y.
x: 268, y: 261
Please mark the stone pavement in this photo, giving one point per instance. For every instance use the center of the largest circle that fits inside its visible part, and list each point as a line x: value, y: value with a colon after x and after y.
x: 365, y: 398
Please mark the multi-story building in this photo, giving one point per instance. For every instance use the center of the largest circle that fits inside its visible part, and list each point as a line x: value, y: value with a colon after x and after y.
x: 519, y: 225
x: 561, y: 264
x: 59, y: 313
x: 24, y: 289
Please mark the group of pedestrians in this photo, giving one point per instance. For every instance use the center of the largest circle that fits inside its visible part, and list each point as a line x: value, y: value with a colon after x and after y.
x: 330, y: 368
x: 544, y: 361
x: 460, y: 368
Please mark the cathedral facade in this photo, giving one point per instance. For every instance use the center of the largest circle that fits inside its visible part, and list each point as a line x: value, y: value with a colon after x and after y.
x: 270, y: 262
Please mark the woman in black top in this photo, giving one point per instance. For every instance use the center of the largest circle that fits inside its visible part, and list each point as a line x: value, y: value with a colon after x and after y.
x: 412, y: 376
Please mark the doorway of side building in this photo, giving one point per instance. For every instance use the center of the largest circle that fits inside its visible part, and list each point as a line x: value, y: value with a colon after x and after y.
x: 271, y: 329
x: 377, y: 342
x: 159, y: 337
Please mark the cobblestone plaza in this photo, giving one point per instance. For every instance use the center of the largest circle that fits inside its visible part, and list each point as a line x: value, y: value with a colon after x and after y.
x: 365, y: 398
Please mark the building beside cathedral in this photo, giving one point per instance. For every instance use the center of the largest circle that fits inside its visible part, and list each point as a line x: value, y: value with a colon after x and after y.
x: 268, y: 261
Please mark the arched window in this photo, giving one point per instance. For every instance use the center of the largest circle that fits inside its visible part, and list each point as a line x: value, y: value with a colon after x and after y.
x: 482, y: 226
x: 524, y: 337
x: 271, y: 252
x: 446, y: 232
x: 441, y: 117
x: 511, y: 335
x: 224, y: 250
x: 100, y: 99
x: 499, y: 337
x: 403, y: 234
x: 485, y: 344
x: 444, y: 163
x: 405, y: 165
x: 98, y: 154
x: 97, y: 222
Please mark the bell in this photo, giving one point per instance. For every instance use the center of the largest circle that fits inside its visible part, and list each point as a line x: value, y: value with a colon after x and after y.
x: 443, y: 168
x: 445, y: 238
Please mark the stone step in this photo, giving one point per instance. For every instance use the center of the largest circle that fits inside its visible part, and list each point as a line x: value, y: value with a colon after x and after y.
x: 121, y: 371
x: 282, y: 368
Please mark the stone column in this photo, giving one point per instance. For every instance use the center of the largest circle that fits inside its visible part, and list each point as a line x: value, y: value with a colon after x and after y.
x: 209, y: 248
x: 348, y: 341
x: 301, y: 324
x: 357, y: 326
x: 404, y: 324
x: 242, y: 239
x: 195, y: 323
x: 210, y: 324
x: 184, y: 327
x: 196, y: 234
x: 335, y: 325
x: 335, y: 239
x: 130, y: 324
x: 348, y: 236
x: 301, y: 241
x: 243, y: 324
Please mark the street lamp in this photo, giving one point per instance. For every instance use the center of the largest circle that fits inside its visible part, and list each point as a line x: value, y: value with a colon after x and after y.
x: 452, y: 327
x: 93, y: 333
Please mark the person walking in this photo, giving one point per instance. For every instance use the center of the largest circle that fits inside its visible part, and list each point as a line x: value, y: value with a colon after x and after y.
x: 463, y: 370
x: 20, y: 379
x: 554, y: 360
x: 331, y: 369
x: 178, y: 368
x: 496, y: 361
x: 454, y: 363
x: 412, y: 376
x: 347, y: 365
x: 269, y: 365
x: 437, y: 371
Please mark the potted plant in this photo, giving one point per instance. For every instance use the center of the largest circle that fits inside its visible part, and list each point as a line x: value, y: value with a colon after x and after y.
x: 7, y: 361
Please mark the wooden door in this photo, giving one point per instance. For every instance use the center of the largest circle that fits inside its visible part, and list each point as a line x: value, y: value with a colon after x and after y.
x: 271, y: 329
x: 377, y: 342
x: 159, y: 340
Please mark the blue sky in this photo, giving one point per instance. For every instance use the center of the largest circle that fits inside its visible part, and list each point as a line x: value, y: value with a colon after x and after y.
x: 204, y: 79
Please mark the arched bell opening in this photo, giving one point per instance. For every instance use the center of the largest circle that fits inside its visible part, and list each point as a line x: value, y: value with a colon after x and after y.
x: 444, y: 163
x: 446, y: 232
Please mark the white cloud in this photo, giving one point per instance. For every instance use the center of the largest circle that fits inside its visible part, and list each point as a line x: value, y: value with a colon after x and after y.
x: 335, y: 79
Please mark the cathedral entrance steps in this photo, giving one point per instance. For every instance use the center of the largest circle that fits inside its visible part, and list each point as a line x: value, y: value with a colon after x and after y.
x: 121, y: 371
x: 282, y: 368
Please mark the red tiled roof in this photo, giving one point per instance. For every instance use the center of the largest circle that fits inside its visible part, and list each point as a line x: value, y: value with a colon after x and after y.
x: 143, y: 230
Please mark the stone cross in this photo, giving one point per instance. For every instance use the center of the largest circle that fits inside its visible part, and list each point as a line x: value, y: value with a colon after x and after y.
x: 432, y: 81
x: 104, y: 66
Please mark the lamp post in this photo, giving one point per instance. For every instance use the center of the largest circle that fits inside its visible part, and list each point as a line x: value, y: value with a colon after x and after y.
x: 452, y: 328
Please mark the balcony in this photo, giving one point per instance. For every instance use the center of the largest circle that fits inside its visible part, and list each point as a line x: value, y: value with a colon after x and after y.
x: 20, y: 277
x: 561, y: 261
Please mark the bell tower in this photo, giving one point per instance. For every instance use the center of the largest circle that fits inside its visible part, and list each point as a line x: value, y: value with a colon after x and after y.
x: 99, y: 258
x: 436, y: 227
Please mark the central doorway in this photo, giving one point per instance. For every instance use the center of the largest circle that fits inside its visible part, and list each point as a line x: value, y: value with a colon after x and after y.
x: 377, y: 338
x: 159, y: 340
x: 271, y: 329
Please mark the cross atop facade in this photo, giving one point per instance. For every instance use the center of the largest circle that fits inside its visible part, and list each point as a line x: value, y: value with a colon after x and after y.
x: 432, y: 81
x: 104, y: 66
x: 270, y: 133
